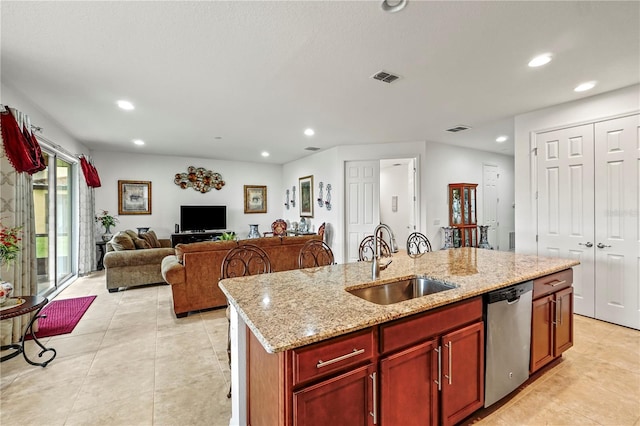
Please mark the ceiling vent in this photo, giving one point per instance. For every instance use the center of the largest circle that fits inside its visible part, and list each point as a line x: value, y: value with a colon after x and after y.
x: 458, y: 128
x: 312, y: 148
x: 385, y: 76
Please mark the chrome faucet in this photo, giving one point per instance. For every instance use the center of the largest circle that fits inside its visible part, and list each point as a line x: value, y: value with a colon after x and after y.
x: 375, y: 262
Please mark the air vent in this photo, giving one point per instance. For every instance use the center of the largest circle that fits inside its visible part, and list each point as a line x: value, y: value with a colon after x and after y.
x: 312, y: 148
x: 385, y: 76
x: 458, y: 129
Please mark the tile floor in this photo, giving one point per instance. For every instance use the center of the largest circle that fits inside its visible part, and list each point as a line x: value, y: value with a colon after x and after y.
x: 131, y: 362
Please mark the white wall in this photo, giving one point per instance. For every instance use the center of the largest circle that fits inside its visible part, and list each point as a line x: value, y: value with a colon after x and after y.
x: 450, y: 164
x: 622, y: 101
x: 438, y: 165
x: 167, y: 197
x: 51, y: 129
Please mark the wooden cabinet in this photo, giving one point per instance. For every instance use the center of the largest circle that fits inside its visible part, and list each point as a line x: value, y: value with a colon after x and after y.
x: 424, y: 369
x: 551, y: 318
x: 343, y: 400
x: 462, y: 213
x: 437, y: 381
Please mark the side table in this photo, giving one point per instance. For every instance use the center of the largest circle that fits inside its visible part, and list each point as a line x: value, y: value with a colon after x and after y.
x: 101, y: 246
x: 32, y: 303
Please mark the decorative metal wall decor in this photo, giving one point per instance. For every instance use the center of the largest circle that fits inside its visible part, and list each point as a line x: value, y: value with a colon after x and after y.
x: 327, y: 201
x: 293, y: 196
x: 286, y: 204
x: 320, y: 200
x: 199, y: 179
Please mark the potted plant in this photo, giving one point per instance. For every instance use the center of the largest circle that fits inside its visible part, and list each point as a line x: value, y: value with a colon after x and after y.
x: 107, y: 221
x: 9, y: 249
x: 227, y: 236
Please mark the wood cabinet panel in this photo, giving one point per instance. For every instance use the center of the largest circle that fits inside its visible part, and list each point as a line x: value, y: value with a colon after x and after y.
x: 408, y: 389
x: 564, y: 320
x: 343, y: 400
x: 462, y: 373
x: 541, y: 333
x: 552, y: 283
x: 405, y: 332
x: 321, y: 359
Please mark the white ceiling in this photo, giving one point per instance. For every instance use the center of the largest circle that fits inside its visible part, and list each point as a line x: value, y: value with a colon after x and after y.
x: 228, y: 80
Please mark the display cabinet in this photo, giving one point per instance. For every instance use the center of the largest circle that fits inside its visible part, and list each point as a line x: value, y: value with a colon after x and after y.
x: 462, y: 213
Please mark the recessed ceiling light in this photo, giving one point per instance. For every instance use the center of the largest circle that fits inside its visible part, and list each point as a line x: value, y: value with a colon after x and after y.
x: 126, y: 105
x: 309, y: 132
x: 585, y: 86
x: 501, y: 139
x: 138, y: 141
x: 393, y: 6
x: 265, y: 154
x: 540, y: 60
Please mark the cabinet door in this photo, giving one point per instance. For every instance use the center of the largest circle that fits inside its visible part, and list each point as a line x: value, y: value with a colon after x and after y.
x: 343, y: 400
x: 408, y: 388
x: 463, y: 373
x: 541, y: 332
x: 564, y: 321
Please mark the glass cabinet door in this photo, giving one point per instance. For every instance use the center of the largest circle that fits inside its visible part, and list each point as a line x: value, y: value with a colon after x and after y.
x: 456, y: 213
x: 472, y: 199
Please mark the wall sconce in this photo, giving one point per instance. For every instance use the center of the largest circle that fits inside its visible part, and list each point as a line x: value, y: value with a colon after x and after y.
x: 286, y: 204
x: 320, y: 201
x: 327, y: 201
x: 293, y: 196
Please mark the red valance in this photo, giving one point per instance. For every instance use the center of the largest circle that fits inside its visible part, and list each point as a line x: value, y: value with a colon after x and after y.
x: 21, y: 146
x: 90, y: 172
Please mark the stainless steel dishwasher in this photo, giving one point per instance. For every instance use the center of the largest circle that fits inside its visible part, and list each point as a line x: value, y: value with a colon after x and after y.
x: 508, y: 340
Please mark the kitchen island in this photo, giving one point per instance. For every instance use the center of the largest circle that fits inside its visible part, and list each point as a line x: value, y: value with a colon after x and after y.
x: 289, y: 310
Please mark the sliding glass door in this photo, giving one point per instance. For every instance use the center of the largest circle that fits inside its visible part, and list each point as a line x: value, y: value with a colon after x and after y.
x: 53, y: 193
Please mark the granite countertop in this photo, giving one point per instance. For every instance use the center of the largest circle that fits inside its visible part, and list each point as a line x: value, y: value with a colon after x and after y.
x: 285, y: 310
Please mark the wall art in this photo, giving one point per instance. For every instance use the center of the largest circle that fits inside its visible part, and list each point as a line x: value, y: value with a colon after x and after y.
x: 199, y: 179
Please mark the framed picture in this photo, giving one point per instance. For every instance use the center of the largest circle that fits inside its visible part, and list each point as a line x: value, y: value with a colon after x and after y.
x: 255, y: 199
x: 306, y: 196
x: 134, y: 197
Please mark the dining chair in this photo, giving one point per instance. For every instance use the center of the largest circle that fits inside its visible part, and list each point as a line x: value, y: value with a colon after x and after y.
x: 315, y: 253
x: 367, y: 248
x: 417, y: 244
x: 246, y: 259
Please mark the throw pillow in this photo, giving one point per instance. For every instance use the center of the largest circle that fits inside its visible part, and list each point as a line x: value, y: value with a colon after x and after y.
x: 137, y: 241
x: 151, y: 238
x: 122, y: 241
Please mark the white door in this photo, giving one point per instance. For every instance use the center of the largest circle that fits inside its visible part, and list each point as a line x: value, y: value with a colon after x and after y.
x: 362, y: 205
x: 490, y: 203
x: 617, y: 237
x: 565, y: 205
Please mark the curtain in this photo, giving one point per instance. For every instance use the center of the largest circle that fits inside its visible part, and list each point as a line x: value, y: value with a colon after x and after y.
x: 86, y: 216
x: 16, y: 200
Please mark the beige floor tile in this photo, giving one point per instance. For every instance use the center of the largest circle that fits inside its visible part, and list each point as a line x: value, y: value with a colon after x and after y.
x: 134, y: 410
x: 69, y: 345
x: 196, y: 404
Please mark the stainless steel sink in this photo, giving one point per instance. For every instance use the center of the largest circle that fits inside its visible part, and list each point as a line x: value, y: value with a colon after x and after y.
x: 398, y: 291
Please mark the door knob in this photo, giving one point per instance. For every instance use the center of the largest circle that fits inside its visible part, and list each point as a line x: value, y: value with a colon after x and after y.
x: 588, y: 244
x: 600, y: 245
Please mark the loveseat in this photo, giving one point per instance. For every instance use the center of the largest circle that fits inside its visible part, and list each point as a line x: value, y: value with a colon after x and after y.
x: 194, y: 270
x: 133, y: 260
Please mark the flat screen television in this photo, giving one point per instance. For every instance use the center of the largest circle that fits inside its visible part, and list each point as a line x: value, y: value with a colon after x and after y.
x: 203, y: 218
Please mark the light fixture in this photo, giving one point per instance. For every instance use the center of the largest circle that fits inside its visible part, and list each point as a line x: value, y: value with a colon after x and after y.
x: 501, y: 139
x: 265, y: 154
x: 138, y: 141
x: 540, y: 60
x: 309, y: 132
x: 125, y: 105
x: 393, y: 6
x: 583, y: 87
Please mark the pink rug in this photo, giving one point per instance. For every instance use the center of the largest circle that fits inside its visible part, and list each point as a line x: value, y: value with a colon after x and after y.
x: 62, y: 316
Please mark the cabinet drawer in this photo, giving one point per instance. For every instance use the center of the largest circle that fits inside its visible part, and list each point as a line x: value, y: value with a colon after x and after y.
x: 320, y: 359
x: 552, y: 283
x: 415, y: 329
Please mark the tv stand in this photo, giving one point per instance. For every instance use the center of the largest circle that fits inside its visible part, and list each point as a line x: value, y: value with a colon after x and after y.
x: 194, y: 237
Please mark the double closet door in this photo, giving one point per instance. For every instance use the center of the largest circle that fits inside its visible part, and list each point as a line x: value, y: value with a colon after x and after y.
x: 588, y: 183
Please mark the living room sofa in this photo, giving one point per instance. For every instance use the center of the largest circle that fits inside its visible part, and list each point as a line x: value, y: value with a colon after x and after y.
x: 194, y: 270
x: 134, y: 266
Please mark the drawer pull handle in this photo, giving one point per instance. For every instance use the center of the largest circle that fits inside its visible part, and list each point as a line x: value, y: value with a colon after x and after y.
x: 556, y: 283
x: 355, y: 352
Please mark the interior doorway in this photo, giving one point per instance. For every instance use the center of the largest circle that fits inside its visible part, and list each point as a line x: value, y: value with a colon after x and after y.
x: 379, y: 191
